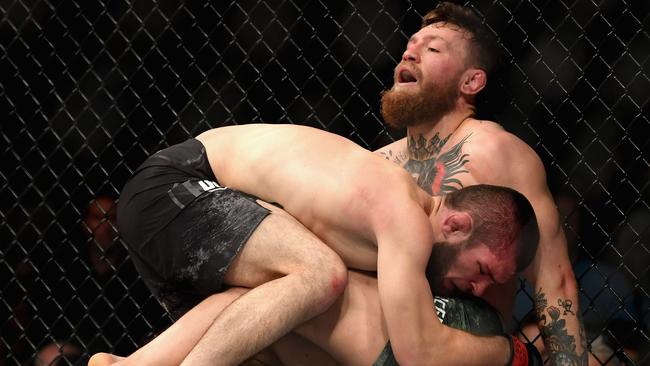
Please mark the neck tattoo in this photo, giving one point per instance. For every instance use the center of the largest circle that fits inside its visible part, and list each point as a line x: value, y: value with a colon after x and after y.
x: 438, y: 173
x: 421, y: 149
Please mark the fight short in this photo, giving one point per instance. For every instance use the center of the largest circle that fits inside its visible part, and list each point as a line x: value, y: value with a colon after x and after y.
x: 467, y: 313
x: 182, y: 228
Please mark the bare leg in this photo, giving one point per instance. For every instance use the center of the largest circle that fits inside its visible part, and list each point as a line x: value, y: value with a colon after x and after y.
x: 173, y: 345
x: 351, y: 331
x: 294, y: 277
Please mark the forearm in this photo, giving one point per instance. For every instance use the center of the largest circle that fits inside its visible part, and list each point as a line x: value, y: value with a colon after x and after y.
x: 456, y: 347
x: 463, y: 348
x: 560, y: 322
x: 445, y: 345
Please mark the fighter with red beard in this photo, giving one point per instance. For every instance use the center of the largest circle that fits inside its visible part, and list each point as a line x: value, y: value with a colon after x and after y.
x: 445, y: 65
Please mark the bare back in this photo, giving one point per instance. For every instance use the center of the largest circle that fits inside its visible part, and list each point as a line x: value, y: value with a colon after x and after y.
x: 328, y: 183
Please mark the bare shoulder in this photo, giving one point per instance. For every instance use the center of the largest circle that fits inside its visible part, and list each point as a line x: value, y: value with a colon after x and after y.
x: 490, y: 137
x: 394, y: 152
x: 388, y: 188
x: 500, y: 157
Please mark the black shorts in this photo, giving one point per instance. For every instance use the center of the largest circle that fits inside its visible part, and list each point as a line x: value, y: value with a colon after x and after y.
x: 182, y: 229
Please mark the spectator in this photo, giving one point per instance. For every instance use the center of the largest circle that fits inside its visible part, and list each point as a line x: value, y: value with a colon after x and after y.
x: 105, y: 252
x: 17, y: 329
x: 606, y: 295
x: 602, y: 353
x: 633, y: 242
x: 54, y: 353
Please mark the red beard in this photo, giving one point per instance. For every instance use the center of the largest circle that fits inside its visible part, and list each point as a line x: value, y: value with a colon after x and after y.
x: 404, y: 108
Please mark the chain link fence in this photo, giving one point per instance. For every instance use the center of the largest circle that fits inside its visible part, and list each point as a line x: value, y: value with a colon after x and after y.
x: 88, y: 89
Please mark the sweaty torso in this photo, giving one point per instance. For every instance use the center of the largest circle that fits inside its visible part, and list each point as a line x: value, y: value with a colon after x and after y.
x: 325, y: 181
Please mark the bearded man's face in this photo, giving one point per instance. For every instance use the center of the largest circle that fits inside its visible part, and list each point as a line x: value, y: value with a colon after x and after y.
x: 427, y: 80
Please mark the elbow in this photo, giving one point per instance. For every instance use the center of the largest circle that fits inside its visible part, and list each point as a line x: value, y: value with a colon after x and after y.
x: 410, y: 358
x: 569, y: 284
x: 425, y: 350
x: 554, y: 276
x: 412, y: 355
x: 563, y: 282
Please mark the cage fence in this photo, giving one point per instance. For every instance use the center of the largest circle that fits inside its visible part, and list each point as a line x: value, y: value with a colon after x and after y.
x: 88, y: 89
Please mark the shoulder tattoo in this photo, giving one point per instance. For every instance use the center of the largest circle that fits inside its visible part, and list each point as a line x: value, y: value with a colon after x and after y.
x: 398, y: 157
x: 436, y: 173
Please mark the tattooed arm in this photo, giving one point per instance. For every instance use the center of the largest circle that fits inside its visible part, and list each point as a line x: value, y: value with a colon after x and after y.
x: 516, y: 165
x: 556, y: 297
x: 500, y: 158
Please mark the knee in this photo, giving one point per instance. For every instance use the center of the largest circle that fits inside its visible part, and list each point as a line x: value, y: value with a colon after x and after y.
x: 338, y: 279
x: 328, y: 278
x: 335, y: 270
x: 331, y: 289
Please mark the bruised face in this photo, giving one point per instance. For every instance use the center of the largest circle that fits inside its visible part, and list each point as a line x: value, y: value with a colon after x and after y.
x: 426, y: 81
x: 458, y: 268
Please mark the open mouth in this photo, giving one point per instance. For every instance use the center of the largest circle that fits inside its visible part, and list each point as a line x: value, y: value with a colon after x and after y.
x: 406, y: 76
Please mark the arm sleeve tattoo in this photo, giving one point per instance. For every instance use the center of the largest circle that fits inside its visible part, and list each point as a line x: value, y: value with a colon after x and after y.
x: 560, y: 345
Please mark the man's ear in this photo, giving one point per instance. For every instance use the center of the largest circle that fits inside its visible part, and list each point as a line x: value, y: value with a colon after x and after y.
x: 473, y: 81
x: 457, y: 226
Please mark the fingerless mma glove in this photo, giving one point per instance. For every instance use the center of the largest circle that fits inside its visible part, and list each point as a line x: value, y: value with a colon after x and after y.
x: 523, y: 354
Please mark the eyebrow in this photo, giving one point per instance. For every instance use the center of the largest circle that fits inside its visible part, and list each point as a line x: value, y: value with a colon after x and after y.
x: 429, y: 37
x: 487, y: 271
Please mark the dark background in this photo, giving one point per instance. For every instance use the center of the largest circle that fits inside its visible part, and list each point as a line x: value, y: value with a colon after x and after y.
x: 88, y: 89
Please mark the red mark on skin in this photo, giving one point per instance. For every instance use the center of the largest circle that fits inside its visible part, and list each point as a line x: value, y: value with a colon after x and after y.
x: 338, y: 285
x: 437, y: 181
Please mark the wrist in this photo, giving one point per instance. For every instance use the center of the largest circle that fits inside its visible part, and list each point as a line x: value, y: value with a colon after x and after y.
x: 511, y: 352
x: 518, y: 352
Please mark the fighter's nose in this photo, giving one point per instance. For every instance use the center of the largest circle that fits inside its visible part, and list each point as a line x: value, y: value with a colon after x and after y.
x: 478, y: 289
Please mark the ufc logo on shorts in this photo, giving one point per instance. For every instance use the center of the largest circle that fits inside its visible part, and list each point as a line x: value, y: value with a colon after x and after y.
x: 209, y: 185
x: 441, y: 307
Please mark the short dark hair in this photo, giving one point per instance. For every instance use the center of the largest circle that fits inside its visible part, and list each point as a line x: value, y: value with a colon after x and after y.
x: 483, y: 51
x: 503, y: 219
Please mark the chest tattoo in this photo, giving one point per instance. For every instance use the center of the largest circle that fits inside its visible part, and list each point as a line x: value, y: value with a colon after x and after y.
x: 398, y: 157
x: 437, y: 173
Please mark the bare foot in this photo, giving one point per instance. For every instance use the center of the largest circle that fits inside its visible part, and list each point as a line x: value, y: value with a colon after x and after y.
x: 104, y: 359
